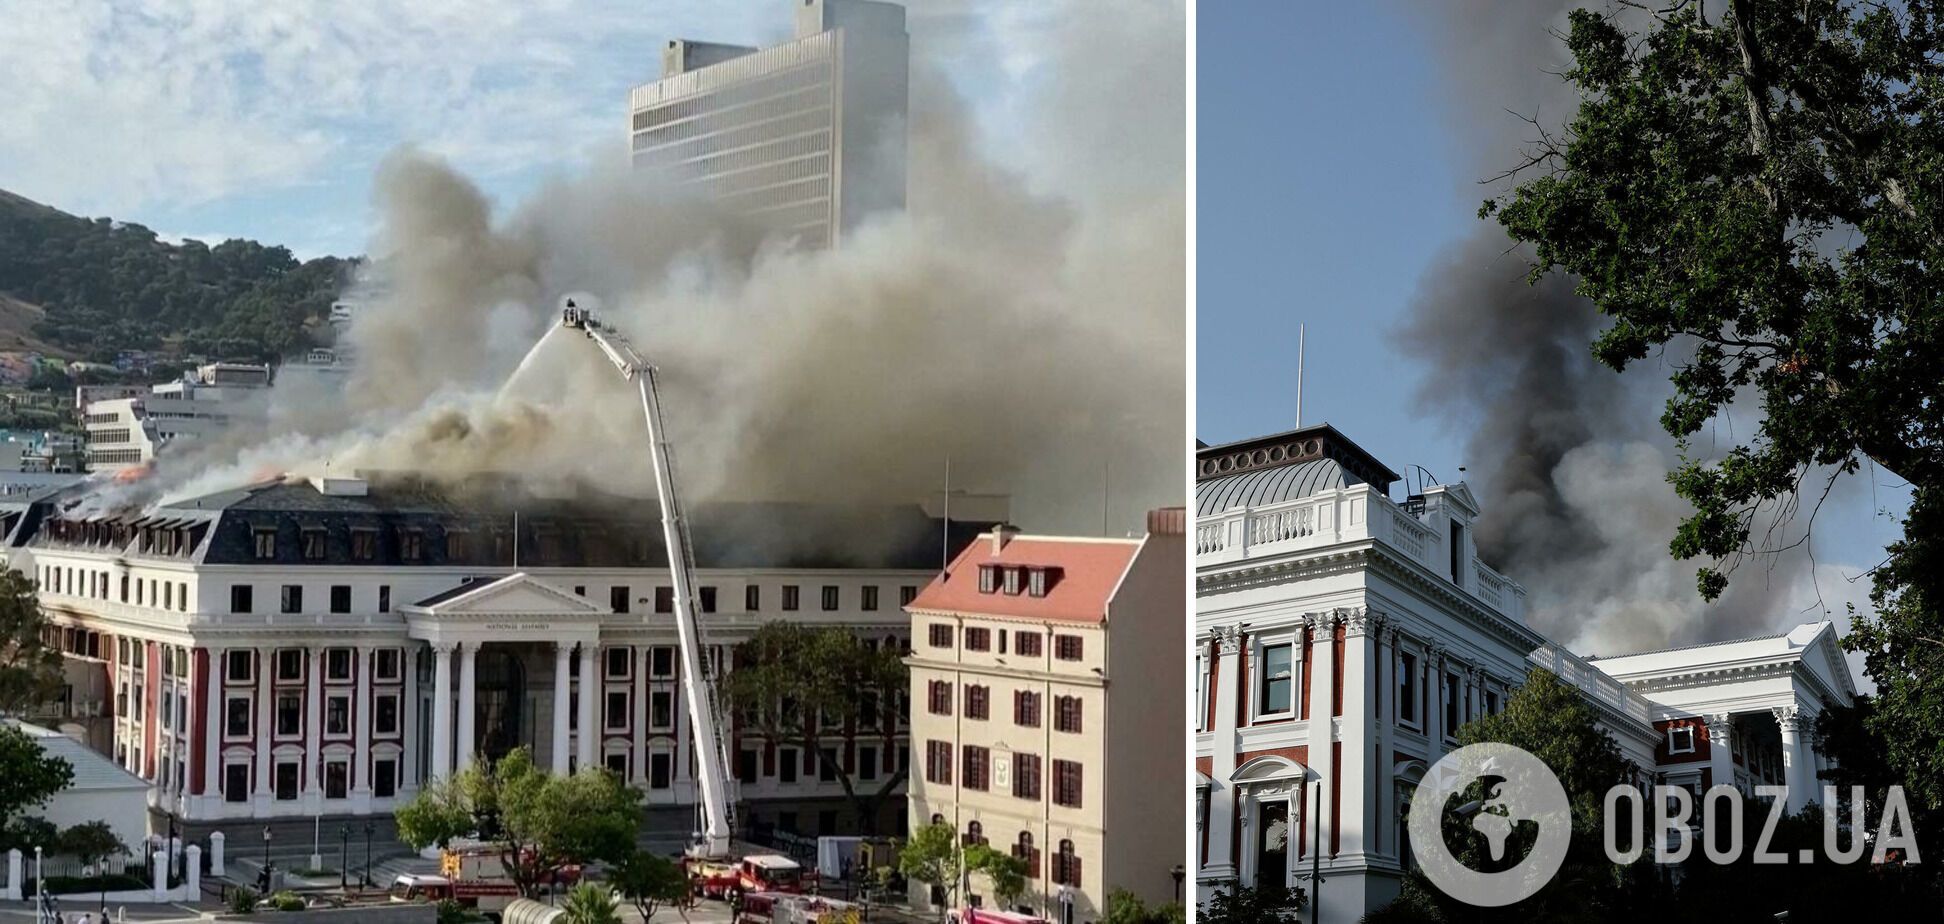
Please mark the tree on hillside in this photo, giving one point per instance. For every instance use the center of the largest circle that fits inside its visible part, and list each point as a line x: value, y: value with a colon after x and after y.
x: 28, y: 775
x: 30, y: 671
x: 826, y: 692
x: 537, y: 822
x: 1753, y: 190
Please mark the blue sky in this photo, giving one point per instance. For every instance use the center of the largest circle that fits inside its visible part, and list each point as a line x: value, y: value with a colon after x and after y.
x: 1320, y: 200
x: 219, y: 118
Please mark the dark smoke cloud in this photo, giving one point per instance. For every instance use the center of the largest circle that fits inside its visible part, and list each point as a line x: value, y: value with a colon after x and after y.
x: 1567, y: 457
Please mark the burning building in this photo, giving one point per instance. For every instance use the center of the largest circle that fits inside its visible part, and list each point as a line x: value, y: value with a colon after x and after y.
x: 324, y: 647
x: 1344, y: 636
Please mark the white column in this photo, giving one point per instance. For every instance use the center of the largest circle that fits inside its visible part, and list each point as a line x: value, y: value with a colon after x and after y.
x: 1795, y: 757
x: 1721, y: 754
x: 468, y: 704
x: 563, y: 667
x: 1221, y: 791
x: 263, y: 707
x: 361, y: 734
x: 1434, y: 693
x: 408, y: 707
x: 641, y: 715
x: 1321, y: 727
x: 313, y: 729
x: 213, y: 728
x: 1359, y: 818
x: 590, y: 696
x: 441, y: 766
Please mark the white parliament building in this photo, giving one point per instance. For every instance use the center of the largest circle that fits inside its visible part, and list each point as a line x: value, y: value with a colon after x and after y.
x: 1316, y: 590
x: 299, y: 649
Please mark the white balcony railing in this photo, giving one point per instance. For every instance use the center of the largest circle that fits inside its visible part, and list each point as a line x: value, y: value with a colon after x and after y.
x: 1350, y: 514
x: 1597, y: 684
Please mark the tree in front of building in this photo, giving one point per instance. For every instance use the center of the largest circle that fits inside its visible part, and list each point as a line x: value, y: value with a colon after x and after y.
x: 30, y: 670
x: 822, y: 689
x: 1552, y: 721
x: 1005, y: 874
x: 1124, y: 907
x: 932, y: 857
x: 1233, y: 903
x: 650, y: 882
x: 94, y: 843
x: 1754, y: 191
x: 537, y: 822
x: 28, y: 775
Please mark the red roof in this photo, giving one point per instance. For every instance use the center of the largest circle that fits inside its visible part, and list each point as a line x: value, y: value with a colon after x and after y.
x: 1088, y: 572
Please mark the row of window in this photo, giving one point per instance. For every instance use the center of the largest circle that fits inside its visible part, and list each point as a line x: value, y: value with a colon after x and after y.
x: 239, y: 665
x: 288, y: 716
x: 1277, y: 690
x: 976, y: 772
x: 286, y: 773
x: 1066, y: 862
x: 1013, y: 579
x: 781, y: 82
x: 793, y: 763
x: 1026, y: 706
x: 798, y: 111
x: 1025, y: 643
x: 96, y: 584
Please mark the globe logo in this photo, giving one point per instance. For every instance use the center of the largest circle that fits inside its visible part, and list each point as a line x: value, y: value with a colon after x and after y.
x: 1516, y: 789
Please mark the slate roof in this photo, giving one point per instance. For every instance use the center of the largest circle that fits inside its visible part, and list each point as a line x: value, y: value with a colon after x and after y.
x: 474, y: 524
x: 93, y: 771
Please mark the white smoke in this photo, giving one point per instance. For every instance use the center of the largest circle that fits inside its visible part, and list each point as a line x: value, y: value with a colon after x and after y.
x: 1023, y: 317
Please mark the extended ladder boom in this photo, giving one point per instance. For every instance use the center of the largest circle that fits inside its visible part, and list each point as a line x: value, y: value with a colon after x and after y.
x: 698, y: 675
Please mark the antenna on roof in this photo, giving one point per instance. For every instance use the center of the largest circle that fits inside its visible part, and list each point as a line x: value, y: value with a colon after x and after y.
x: 1299, y: 376
x: 516, y: 540
x: 945, y: 530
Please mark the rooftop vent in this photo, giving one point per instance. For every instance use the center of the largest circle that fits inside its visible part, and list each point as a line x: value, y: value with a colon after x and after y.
x: 1002, y: 534
x: 334, y: 486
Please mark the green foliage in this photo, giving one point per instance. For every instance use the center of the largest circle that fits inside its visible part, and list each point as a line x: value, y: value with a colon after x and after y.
x: 932, y: 856
x: 30, y: 671
x: 1761, y: 191
x: 242, y: 900
x: 109, y: 286
x: 92, y: 842
x: 1238, y: 904
x: 1004, y: 872
x: 25, y: 832
x: 538, y: 822
x: 649, y: 881
x: 287, y: 901
x: 1124, y: 907
x: 450, y: 911
x: 590, y: 903
x: 788, y: 673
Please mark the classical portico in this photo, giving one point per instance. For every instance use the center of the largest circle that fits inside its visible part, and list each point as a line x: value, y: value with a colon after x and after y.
x: 515, y: 610
x: 1742, y: 712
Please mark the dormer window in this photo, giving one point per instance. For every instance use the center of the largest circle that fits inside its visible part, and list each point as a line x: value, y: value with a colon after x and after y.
x: 314, y: 544
x: 266, y: 543
x: 988, y: 578
x: 1012, y: 581
x: 411, y: 544
x: 1041, y: 580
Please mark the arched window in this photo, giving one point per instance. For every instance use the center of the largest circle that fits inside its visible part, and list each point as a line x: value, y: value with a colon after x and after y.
x: 1066, y: 865
x: 1024, y: 850
x: 974, y: 833
x: 937, y: 819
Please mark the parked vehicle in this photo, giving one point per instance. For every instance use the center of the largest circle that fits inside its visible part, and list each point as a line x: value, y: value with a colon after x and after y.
x: 788, y: 908
x: 763, y: 872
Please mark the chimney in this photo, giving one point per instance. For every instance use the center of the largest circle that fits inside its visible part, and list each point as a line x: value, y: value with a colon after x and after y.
x: 1168, y: 521
x: 1002, y: 533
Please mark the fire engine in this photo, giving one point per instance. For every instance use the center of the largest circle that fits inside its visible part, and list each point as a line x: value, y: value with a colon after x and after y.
x: 990, y: 916
x: 765, y: 872
x: 474, y: 877
x: 790, y: 908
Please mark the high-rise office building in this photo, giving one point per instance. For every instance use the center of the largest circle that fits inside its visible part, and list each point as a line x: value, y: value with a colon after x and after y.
x: 807, y: 138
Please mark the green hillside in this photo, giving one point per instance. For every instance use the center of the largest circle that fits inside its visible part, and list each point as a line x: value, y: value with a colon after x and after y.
x: 91, y: 287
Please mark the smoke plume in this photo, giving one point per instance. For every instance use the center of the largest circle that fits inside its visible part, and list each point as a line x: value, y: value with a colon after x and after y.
x: 1022, y: 317
x: 1567, y: 456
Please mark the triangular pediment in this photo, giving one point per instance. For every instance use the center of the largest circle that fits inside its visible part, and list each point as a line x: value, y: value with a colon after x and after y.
x: 513, y: 595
